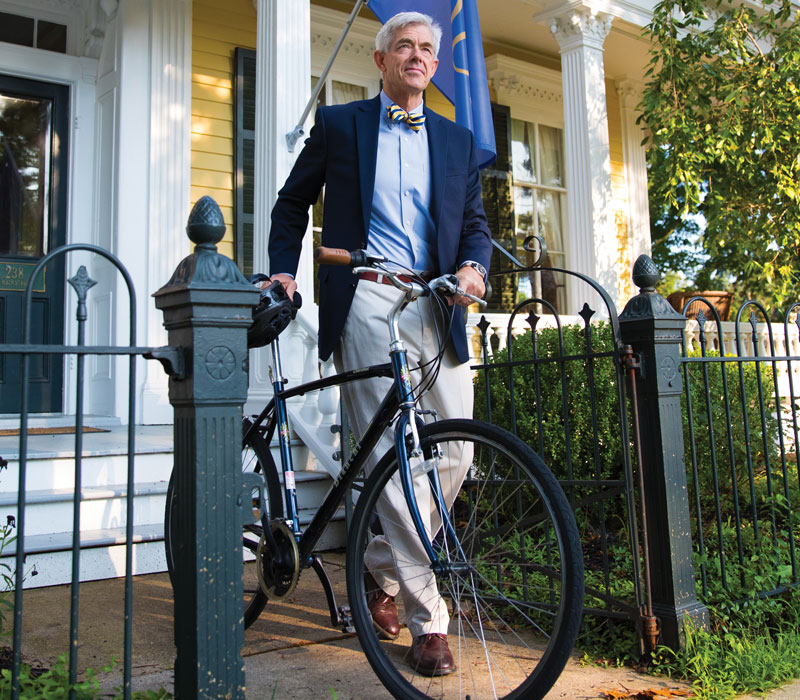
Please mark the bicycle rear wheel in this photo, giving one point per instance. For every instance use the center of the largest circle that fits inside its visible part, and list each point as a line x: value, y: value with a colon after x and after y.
x: 510, y: 568
x: 255, y: 458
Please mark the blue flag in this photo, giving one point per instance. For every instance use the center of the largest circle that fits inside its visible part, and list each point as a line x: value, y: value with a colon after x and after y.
x: 461, y: 75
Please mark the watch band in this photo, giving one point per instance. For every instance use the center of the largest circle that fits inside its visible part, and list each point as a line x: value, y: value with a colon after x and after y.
x: 481, y: 270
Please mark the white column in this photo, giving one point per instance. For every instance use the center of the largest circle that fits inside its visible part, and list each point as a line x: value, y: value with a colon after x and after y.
x: 591, y: 245
x: 169, y: 178
x: 283, y: 86
x: 630, y: 94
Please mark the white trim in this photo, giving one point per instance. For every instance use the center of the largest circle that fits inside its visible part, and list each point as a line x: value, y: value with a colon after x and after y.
x: 637, y: 13
x: 533, y: 93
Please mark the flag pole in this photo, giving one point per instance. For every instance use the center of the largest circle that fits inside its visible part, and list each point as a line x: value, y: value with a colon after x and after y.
x: 293, y: 136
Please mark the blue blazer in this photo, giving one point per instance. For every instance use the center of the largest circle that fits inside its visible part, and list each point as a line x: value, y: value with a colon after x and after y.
x: 341, y: 153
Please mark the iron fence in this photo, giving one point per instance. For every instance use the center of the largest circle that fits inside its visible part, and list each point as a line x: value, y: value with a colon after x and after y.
x: 81, y: 283
x: 560, y: 383
x: 740, y: 411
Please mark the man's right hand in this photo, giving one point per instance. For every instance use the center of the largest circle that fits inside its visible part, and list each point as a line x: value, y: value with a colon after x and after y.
x: 286, y: 280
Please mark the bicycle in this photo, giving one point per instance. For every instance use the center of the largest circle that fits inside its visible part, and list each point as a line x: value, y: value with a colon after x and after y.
x: 500, y: 543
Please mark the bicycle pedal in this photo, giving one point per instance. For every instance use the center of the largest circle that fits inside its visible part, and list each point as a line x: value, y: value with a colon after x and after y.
x: 346, y: 619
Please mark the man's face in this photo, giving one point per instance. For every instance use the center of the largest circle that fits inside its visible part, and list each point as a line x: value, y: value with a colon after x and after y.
x: 410, y: 63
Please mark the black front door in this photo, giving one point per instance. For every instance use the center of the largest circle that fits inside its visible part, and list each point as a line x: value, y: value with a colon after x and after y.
x: 34, y: 130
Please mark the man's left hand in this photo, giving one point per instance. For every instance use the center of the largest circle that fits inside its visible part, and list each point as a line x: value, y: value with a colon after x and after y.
x: 470, y: 281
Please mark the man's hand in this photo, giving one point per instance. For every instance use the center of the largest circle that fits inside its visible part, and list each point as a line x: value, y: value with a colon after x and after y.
x: 286, y: 280
x: 470, y: 281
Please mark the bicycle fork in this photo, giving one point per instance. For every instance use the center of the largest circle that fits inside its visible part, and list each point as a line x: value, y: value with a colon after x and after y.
x: 410, y: 420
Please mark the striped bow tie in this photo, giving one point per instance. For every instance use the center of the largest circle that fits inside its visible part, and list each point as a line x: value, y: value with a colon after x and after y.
x: 398, y: 114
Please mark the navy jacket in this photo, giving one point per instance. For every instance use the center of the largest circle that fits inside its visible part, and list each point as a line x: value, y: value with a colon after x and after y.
x: 341, y: 153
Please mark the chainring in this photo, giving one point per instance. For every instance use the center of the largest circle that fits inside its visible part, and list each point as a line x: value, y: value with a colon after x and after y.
x: 278, y: 572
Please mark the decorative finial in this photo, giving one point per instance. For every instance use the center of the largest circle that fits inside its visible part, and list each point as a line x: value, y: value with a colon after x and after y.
x: 206, y: 225
x: 645, y: 274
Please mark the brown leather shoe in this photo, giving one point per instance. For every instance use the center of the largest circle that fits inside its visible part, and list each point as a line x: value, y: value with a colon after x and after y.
x: 430, y: 655
x: 382, y: 608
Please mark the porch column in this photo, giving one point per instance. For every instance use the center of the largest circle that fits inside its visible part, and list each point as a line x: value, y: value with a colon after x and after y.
x: 591, y: 243
x: 634, y: 155
x: 283, y: 86
x: 169, y: 175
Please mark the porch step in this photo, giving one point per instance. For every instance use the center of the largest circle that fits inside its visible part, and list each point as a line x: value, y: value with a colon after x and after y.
x: 102, y: 507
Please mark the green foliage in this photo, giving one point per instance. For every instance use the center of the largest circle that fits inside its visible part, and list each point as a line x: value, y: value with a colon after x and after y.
x: 541, y: 411
x: 54, y: 684
x: 722, y: 104
x: 751, y: 647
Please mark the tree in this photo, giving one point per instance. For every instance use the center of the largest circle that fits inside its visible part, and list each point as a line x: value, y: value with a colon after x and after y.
x: 722, y: 104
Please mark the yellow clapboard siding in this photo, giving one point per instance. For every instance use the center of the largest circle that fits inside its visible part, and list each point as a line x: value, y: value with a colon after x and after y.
x: 204, y: 75
x: 214, y: 109
x: 220, y: 32
x: 238, y: 14
x: 212, y: 144
x: 216, y: 67
x: 212, y: 127
x: 212, y: 178
x: 211, y: 47
x: 212, y: 161
x: 222, y: 197
x: 211, y: 93
x: 225, y: 246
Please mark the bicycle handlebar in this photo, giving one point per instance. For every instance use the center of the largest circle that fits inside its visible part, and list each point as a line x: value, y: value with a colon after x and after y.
x: 360, y: 258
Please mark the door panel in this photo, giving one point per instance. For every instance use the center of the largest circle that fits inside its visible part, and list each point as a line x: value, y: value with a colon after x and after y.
x: 33, y: 214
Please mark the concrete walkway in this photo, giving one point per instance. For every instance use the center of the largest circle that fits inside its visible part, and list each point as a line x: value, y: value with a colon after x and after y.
x: 291, y: 653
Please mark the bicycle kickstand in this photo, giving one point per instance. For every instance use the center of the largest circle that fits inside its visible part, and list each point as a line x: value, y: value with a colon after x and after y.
x: 340, y: 614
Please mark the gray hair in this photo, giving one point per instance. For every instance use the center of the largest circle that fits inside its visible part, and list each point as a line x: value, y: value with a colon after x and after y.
x: 385, y: 37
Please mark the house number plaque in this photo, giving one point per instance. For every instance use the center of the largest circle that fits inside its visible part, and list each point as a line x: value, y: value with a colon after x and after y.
x: 14, y: 277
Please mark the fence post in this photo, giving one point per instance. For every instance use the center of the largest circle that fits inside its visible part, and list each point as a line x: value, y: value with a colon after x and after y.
x: 653, y: 328
x: 207, y: 307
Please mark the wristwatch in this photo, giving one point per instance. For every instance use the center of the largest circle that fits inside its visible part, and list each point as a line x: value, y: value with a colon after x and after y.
x: 481, y: 270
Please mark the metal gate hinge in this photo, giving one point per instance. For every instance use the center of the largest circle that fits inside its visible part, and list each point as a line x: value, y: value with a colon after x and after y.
x: 171, y: 359
x: 633, y: 361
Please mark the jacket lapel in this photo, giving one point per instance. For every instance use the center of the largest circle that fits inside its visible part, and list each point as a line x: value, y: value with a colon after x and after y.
x: 366, y: 125
x: 437, y: 146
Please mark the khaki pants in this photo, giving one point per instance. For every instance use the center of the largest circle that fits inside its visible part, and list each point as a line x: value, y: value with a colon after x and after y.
x: 397, y: 559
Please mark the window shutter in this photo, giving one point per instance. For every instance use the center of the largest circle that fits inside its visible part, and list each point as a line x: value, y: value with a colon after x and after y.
x: 498, y: 202
x: 244, y: 128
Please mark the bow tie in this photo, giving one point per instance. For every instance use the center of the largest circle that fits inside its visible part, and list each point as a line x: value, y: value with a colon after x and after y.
x: 398, y: 114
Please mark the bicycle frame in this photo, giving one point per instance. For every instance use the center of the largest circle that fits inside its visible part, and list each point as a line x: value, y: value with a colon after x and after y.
x: 399, y: 398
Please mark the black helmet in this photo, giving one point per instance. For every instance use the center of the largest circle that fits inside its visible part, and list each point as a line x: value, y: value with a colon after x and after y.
x: 272, y: 314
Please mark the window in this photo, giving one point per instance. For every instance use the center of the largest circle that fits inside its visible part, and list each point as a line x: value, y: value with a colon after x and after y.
x: 524, y: 195
x: 537, y: 157
x: 38, y: 33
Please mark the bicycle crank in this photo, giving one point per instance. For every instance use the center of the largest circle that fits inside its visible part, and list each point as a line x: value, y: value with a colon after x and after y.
x: 279, y: 570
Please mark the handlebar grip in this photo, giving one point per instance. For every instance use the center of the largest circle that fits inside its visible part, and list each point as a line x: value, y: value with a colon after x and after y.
x: 339, y: 256
x: 332, y: 256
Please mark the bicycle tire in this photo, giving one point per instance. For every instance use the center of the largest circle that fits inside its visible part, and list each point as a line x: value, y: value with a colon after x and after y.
x: 255, y: 457
x: 516, y: 605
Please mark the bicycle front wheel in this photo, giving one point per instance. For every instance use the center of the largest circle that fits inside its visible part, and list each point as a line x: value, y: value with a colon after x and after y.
x: 507, y: 586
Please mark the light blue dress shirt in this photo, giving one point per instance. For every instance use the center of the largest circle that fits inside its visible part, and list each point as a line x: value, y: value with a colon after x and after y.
x: 400, y: 226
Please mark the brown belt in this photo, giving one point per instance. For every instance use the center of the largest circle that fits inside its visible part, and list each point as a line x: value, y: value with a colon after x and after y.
x: 380, y: 278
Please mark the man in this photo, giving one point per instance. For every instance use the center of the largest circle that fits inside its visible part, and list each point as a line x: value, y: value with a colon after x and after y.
x: 403, y: 182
